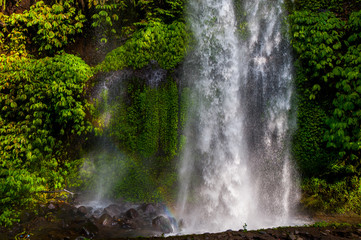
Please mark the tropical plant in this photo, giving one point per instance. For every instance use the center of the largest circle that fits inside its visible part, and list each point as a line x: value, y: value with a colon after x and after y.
x: 43, y: 110
x: 165, y: 44
x: 46, y: 27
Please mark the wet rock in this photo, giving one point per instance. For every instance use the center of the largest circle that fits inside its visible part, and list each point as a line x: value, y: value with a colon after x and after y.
x: 105, y: 220
x: 93, y: 219
x: 90, y: 210
x: 131, y: 213
x: 354, y: 236
x: 161, y: 208
x: 86, y: 232
x: 90, y: 230
x: 79, y: 219
x: 127, y: 223
x: 98, y: 212
x: 113, y: 210
x: 51, y: 206
x: 67, y: 215
x: 82, y: 211
x: 291, y: 236
x: 181, y: 224
x: 64, y: 224
x: 173, y: 222
x: 162, y: 224
x: 149, y: 209
x: 68, y: 208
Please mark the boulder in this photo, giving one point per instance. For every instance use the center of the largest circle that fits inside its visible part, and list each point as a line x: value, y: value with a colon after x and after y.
x: 149, y: 210
x: 98, y: 212
x: 132, y: 213
x: 82, y: 211
x: 113, y: 210
x: 79, y: 219
x: 162, y: 224
x: 90, y: 229
x: 51, y: 206
x: 161, y: 208
x: 181, y: 224
x: 105, y: 220
x: 127, y: 223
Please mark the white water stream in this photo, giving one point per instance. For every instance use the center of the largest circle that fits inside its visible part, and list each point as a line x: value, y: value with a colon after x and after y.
x: 236, y: 170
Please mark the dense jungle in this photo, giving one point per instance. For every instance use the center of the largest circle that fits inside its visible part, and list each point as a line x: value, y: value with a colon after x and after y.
x: 54, y: 54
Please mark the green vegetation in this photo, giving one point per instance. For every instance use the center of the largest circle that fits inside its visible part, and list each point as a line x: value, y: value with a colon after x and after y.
x: 165, y: 44
x: 327, y: 144
x: 145, y: 127
x: 42, y: 116
x: 146, y: 120
x: 119, y: 19
x: 45, y: 115
x: 323, y: 224
x: 46, y: 28
x: 142, y: 141
x: 340, y: 7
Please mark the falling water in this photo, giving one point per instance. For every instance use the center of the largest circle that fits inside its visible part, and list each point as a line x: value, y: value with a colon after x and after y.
x: 236, y: 170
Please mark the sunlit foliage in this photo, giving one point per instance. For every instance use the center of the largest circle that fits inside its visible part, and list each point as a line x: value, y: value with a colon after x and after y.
x: 327, y: 145
x: 42, y: 111
x: 46, y: 28
x: 165, y: 44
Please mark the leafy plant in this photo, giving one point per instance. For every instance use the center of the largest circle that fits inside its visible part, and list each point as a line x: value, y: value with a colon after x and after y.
x: 47, y: 27
x: 340, y: 196
x: 344, y: 133
x: 328, y: 53
x: 162, y: 11
x: 43, y: 109
x: 105, y: 17
x: 165, y: 44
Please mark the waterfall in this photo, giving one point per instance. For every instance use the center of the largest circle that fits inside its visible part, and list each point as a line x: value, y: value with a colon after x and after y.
x: 236, y: 170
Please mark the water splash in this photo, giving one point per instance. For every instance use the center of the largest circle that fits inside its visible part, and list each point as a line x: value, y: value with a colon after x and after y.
x: 236, y: 167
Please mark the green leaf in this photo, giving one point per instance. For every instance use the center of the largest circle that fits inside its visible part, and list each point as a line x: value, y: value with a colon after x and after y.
x: 47, y: 25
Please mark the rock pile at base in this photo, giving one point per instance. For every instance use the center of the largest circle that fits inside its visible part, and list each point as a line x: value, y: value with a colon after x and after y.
x: 62, y: 221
